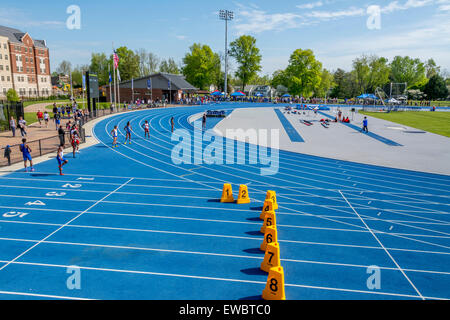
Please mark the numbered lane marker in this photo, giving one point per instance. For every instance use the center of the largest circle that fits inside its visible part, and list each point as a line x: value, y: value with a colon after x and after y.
x: 14, y: 214
x: 55, y: 194
x: 35, y: 203
x: 72, y: 186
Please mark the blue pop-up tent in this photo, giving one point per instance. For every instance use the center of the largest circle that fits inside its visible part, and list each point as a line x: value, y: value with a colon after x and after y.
x: 238, y: 94
x: 367, y: 96
x: 286, y: 95
x: 217, y: 93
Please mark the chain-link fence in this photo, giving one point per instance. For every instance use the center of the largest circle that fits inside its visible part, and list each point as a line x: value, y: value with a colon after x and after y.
x: 8, y: 110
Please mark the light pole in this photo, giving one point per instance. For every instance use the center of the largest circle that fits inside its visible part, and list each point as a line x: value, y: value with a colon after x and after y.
x: 227, y: 16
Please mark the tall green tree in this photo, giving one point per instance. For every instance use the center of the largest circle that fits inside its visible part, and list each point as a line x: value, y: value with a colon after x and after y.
x: 436, y: 88
x: 326, y: 84
x: 201, y: 66
x: 303, y: 74
x: 99, y: 65
x: 431, y: 68
x: 345, y: 85
x: 128, y: 63
x: 12, y: 96
x: 248, y: 58
x: 371, y: 72
x: 148, y: 62
x: 169, y: 66
x: 409, y: 70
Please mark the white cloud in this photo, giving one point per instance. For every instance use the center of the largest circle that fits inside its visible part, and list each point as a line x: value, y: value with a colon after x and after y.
x: 20, y: 19
x: 181, y: 37
x: 351, y: 12
x: 311, y: 5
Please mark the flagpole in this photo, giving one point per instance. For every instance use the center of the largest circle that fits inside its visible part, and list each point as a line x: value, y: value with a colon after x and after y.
x: 132, y: 91
x: 110, y: 83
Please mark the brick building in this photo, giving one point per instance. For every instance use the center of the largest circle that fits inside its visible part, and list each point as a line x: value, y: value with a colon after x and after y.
x: 25, y: 62
x: 179, y: 88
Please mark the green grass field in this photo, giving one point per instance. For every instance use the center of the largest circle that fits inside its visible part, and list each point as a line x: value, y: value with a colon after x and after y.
x: 434, y: 122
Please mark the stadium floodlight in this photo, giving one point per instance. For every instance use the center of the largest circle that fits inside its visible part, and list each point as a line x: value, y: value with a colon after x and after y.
x: 226, y: 16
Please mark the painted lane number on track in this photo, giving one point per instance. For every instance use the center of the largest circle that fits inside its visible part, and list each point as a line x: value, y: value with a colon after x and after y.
x: 55, y: 194
x: 14, y: 214
x: 72, y: 186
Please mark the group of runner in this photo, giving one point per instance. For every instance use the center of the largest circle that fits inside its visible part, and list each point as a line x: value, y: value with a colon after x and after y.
x: 74, y: 140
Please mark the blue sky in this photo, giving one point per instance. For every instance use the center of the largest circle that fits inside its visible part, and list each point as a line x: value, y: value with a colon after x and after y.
x: 336, y: 30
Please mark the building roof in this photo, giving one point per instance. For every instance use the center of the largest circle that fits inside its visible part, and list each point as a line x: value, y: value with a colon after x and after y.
x: 160, y: 81
x: 15, y: 36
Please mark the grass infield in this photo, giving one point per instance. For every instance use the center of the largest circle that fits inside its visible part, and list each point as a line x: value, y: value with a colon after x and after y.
x: 434, y: 122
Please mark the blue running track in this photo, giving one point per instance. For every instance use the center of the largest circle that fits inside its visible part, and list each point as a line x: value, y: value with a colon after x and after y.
x: 138, y: 226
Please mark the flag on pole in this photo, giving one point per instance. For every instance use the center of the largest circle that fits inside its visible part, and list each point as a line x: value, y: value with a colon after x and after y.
x: 116, y: 60
x: 84, y: 81
x: 118, y: 75
x: 149, y: 84
x: 110, y: 78
x: 169, y: 84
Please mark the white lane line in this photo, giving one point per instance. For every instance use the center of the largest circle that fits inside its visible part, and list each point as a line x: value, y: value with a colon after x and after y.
x: 42, y: 295
x: 387, y: 252
x: 67, y: 223
x: 228, y: 280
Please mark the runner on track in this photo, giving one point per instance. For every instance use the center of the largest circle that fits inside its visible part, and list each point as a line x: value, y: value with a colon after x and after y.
x: 128, y: 131
x: 26, y: 150
x: 146, y: 128
x: 61, y: 160
x: 115, y: 134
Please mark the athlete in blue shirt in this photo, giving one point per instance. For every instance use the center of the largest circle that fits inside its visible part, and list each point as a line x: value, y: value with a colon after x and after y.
x: 26, y: 152
x: 128, y: 130
x: 365, y: 125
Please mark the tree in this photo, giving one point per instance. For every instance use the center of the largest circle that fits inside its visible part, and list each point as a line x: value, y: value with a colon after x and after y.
x: 201, y: 66
x: 148, y: 62
x: 406, y: 69
x: 169, y: 66
x: 12, y: 96
x: 101, y: 66
x: 128, y: 63
x: 436, y: 88
x: 345, y: 85
x: 371, y: 72
x: 64, y: 68
x: 303, y: 74
x: 431, y: 68
x: 326, y: 84
x: 248, y: 58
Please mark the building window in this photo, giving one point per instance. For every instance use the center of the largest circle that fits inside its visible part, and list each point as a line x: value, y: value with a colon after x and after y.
x: 1, y: 67
x: 3, y: 78
x: 7, y: 68
x: 0, y: 56
x: 8, y: 78
x: 6, y: 57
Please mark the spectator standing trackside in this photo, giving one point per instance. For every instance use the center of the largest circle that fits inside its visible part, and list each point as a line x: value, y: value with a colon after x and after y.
x: 46, y: 117
x: 7, y: 154
x: 22, y: 126
x: 57, y: 120
x: 54, y: 110
x: 62, y: 135
x: 40, y: 116
x: 12, y: 124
